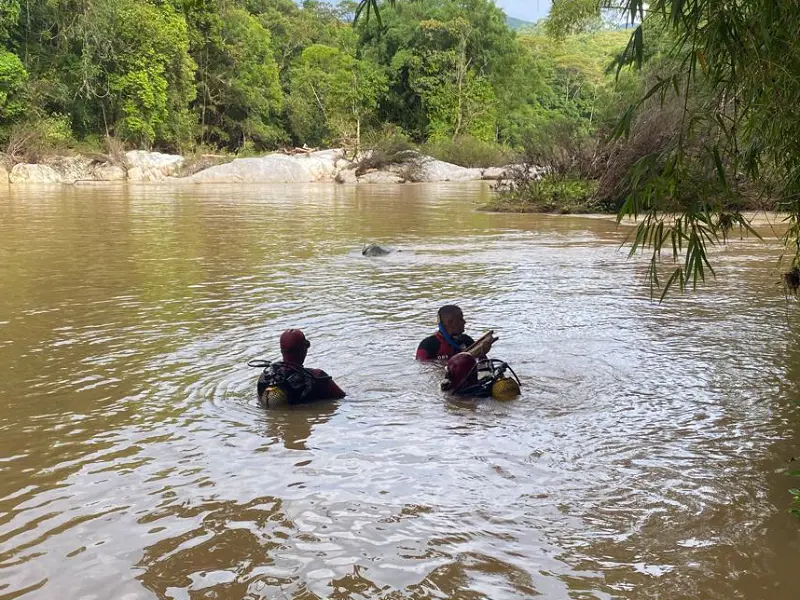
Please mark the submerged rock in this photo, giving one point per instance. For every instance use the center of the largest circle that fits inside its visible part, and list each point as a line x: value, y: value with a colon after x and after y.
x: 375, y: 250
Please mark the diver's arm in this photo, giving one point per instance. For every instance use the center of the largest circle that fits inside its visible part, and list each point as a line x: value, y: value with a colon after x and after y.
x: 428, y: 349
x: 325, y: 387
x: 481, y: 348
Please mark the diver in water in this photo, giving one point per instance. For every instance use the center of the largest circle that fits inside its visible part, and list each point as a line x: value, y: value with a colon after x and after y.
x: 450, y: 338
x: 480, y: 378
x: 288, y: 381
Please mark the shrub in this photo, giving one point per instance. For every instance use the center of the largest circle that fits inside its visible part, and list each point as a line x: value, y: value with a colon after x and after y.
x: 389, y: 147
x: 563, y: 147
x: 33, y: 141
x: 468, y: 151
x: 528, y: 191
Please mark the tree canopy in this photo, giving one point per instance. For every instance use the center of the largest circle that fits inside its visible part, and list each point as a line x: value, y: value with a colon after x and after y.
x: 258, y: 74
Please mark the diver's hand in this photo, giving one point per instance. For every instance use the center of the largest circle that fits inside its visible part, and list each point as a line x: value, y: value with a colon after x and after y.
x: 483, y: 345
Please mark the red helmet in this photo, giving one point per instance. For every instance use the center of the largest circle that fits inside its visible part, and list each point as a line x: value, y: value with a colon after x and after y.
x: 460, y: 370
x: 294, y: 346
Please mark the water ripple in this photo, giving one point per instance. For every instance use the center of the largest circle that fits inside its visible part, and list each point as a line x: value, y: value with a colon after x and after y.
x: 645, y: 459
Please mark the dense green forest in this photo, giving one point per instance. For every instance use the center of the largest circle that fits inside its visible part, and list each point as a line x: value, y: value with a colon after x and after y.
x: 255, y: 75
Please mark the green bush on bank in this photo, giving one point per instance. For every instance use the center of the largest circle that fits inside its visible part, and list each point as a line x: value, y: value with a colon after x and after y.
x: 391, y: 145
x: 468, y: 151
x: 548, y: 194
x: 388, y: 146
x: 32, y: 141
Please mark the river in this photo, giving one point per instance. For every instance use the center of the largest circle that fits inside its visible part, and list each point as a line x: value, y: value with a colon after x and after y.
x: 647, y: 457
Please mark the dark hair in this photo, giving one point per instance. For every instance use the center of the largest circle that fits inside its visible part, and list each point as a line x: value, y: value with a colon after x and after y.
x: 448, y: 310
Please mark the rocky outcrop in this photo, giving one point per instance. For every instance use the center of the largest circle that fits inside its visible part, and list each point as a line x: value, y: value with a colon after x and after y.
x: 151, y: 166
x: 330, y: 165
x: 3, y: 176
x: 320, y: 166
x: 380, y: 177
x: 26, y: 173
x: 430, y: 170
x: 275, y: 168
x: 109, y: 172
x: 496, y: 173
x: 67, y: 169
x: 72, y: 168
x: 347, y: 176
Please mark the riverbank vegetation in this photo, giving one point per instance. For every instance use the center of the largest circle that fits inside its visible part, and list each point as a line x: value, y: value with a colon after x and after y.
x: 709, y: 130
x: 211, y: 77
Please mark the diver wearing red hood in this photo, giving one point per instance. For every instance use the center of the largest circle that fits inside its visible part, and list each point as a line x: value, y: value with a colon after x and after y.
x: 461, y: 378
x: 296, y: 384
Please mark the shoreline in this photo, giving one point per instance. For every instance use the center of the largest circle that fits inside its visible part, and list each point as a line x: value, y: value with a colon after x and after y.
x: 321, y: 166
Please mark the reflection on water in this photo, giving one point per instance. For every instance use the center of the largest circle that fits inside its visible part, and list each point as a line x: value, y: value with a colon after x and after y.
x: 646, y: 458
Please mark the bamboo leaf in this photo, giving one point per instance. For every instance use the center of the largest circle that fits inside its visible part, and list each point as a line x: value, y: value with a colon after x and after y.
x: 677, y: 275
x: 701, y: 57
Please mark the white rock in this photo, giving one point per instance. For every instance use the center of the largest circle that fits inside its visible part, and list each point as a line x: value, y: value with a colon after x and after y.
x: 342, y: 164
x: 347, y: 176
x: 322, y: 165
x: 151, y: 166
x: 363, y: 155
x: 109, y: 172
x: 73, y: 168
x: 274, y: 168
x: 380, y: 177
x: 432, y: 170
x: 494, y: 173
x: 26, y: 173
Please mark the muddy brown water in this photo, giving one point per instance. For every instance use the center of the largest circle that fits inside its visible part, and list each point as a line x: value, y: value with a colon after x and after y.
x: 647, y: 457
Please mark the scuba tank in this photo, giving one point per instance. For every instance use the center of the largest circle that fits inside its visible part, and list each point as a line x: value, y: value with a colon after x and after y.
x: 283, y: 383
x: 463, y: 378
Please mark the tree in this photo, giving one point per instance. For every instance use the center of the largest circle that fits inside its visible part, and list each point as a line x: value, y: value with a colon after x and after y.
x: 9, y: 17
x: 332, y: 83
x: 734, y: 67
x: 294, y: 28
x: 113, y: 66
x: 149, y: 72
x: 240, y: 97
x: 436, y: 48
x: 12, y: 81
x: 457, y: 100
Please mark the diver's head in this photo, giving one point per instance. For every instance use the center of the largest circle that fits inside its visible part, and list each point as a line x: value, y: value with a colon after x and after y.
x: 460, y: 371
x: 452, y: 319
x: 294, y: 346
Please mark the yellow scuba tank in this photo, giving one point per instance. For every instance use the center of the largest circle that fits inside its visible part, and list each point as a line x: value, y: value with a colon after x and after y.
x: 505, y: 388
x: 274, y: 396
x: 282, y: 384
